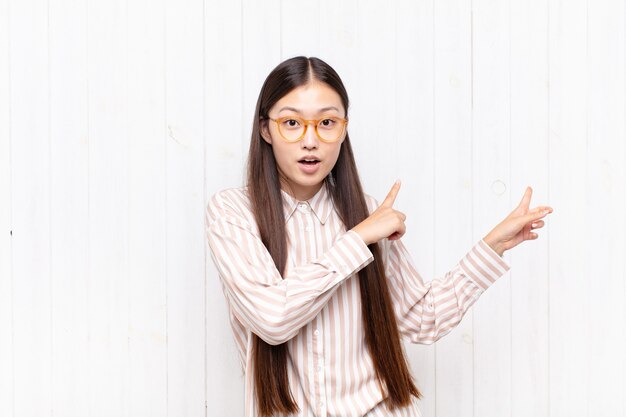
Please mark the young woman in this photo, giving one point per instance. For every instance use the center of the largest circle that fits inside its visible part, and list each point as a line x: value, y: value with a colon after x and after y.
x: 319, y: 286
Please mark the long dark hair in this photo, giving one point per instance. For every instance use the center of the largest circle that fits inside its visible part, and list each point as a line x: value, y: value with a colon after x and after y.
x: 382, y: 336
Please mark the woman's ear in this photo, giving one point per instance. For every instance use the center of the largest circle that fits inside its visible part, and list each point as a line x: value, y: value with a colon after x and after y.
x: 265, y: 134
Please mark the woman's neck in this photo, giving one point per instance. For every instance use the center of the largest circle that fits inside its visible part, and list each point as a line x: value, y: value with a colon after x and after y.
x: 301, y: 193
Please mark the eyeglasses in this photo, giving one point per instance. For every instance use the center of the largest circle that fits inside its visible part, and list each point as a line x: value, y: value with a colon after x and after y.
x: 293, y: 128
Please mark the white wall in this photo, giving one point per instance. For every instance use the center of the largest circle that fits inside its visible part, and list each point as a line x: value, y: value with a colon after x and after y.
x: 118, y: 119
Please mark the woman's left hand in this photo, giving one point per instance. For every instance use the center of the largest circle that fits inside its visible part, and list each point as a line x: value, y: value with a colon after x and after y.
x: 517, y: 226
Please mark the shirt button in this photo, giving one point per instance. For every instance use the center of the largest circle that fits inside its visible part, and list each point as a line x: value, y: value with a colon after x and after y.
x: 321, y: 403
x: 308, y: 228
x: 319, y: 369
x: 316, y: 332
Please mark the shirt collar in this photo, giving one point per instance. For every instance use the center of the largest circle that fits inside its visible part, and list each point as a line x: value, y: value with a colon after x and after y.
x: 320, y: 203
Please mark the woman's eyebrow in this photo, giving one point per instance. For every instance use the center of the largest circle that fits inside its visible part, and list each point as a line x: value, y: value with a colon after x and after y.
x: 298, y: 111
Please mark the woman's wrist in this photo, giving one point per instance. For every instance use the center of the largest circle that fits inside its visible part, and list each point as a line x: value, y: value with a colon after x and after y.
x: 355, y: 229
x: 497, y: 248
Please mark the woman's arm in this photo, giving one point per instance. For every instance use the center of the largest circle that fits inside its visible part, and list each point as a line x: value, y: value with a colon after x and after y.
x: 428, y: 311
x: 271, y: 306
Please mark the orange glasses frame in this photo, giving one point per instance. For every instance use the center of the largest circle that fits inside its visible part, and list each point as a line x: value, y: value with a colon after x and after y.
x: 306, y: 127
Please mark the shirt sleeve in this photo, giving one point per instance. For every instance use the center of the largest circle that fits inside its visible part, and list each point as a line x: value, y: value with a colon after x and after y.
x: 428, y: 311
x: 272, y: 306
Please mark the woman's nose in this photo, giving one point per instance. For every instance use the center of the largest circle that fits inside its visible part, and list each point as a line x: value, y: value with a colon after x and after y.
x: 310, y: 137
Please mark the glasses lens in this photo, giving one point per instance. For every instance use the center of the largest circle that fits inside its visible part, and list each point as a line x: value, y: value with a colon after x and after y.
x: 330, y: 128
x: 291, y: 128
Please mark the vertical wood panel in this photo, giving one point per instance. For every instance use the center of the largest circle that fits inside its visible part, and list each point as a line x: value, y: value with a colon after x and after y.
x: 529, y: 167
x: 606, y: 203
x: 147, y: 209
x: 226, y: 149
x: 337, y: 38
x: 300, y: 28
x: 69, y: 179
x: 31, y: 223
x: 569, y: 268
x: 453, y: 194
x: 184, y: 205
x: 6, y: 206
x: 108, y: 291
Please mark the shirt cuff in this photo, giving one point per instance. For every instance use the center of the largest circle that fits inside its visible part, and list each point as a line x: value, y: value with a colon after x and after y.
x: 483, y: 265
x: 349, y: 254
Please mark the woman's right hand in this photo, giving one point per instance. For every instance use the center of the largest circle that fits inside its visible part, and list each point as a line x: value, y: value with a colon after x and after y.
x: 384, y: 222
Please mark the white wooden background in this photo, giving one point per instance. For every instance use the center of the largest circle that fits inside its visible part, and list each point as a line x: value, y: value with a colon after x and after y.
x: 118, y: 120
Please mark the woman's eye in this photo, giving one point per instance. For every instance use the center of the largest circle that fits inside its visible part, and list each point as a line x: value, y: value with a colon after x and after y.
x: 291, y: 122
x: 327, y: 122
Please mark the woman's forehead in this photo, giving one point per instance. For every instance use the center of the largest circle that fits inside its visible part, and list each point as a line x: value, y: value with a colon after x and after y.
x: 311, y: 98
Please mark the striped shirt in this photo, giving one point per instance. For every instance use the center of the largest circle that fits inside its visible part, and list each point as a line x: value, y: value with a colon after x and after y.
x: 316, y: 307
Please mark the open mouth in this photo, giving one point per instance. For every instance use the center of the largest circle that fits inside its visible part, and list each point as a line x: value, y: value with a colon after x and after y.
x: 309, y: 162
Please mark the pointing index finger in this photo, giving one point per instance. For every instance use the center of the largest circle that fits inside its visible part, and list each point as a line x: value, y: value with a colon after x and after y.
x: 391, y: 196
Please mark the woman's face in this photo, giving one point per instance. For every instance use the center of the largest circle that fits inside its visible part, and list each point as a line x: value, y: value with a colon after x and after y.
x: 314, y: 100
